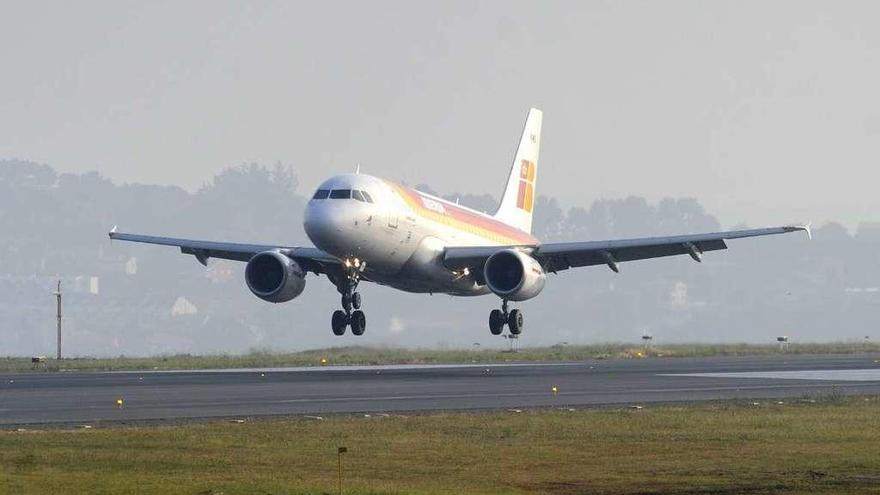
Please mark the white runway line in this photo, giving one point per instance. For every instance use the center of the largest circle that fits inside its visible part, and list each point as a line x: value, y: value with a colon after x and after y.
x: 865, y: 375
x: 378, y: 367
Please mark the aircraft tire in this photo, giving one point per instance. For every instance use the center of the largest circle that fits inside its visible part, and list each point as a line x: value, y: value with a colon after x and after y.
x: 356, y: 300
x: 358, y: 322
x: 496, y: 322
x: 515, y: 322
x: 339, y: 322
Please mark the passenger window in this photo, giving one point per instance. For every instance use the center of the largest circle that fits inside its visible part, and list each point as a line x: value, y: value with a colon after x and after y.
x: 340, y: 194
x: 321, y: 194
x: 367, y: 197
x: 357, y: 195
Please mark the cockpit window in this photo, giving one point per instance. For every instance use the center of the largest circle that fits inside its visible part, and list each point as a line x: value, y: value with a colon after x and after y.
x: 321, y: 194
x: 367, y: 197
x: 357, y: 195
x: 340, y: 194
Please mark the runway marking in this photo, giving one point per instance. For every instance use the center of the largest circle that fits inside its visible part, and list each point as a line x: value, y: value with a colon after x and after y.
x: 863, y: 375
x: 539, y: 394
x: 379, y: 367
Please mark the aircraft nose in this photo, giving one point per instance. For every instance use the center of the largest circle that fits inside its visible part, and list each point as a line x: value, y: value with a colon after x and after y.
x: 324, y: 224
x: 316, y: 224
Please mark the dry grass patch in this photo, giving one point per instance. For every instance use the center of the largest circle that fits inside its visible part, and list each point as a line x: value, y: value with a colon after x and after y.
x: 363, y: 355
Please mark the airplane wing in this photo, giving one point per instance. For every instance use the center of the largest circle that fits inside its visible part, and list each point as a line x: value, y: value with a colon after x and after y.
x: 311, y: 259
x: 564, y: 255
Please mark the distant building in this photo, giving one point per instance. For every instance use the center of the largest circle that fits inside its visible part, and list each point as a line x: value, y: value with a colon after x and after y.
x: 83, y: 284
x: 182, y: 307
x: 678, y: 298
x: 131, y: 266
x: 219, y: 272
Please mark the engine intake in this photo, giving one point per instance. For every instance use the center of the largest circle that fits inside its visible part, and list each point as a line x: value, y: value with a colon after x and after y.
x: 274, y: 277
x: 514, y: 275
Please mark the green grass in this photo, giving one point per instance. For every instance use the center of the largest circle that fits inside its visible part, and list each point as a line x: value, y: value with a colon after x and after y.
x: 830, y: 447
x: 359, y: 355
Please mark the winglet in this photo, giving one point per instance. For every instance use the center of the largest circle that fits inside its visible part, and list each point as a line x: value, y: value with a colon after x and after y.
x: 112, y: 231
x: 806, y: 227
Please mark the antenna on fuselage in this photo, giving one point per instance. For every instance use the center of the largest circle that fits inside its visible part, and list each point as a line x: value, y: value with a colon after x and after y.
x: 357, y: 169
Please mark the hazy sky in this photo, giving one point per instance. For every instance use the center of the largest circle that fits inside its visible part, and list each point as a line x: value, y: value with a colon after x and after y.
x: 766, y: 112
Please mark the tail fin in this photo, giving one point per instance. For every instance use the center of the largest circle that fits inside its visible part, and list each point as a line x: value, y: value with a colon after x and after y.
x: 519, y: 195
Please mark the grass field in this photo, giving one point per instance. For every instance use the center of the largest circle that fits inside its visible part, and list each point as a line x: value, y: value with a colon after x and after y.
x: 359, y: 355
x: 831, y: 446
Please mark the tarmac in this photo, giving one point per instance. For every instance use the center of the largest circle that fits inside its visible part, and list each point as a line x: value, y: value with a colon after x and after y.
x: 167, y: 396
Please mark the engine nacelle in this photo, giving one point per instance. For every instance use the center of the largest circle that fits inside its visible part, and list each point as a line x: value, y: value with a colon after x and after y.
x: 274, y: 277
x: 514, y: 275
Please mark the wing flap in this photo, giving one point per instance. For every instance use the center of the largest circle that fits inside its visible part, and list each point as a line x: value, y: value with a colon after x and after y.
x: 564, y: 255
x: 312, y: 259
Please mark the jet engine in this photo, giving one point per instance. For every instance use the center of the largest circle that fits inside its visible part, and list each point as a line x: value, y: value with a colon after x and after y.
x: 274, y: 277
x: 514, y: 275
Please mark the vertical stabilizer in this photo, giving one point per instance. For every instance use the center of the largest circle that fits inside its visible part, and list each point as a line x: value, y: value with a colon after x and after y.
x: 519, y: 195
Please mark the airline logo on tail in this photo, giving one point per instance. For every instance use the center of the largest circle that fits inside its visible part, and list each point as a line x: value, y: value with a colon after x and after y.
x: 525, y: 198
x: 518, y: 200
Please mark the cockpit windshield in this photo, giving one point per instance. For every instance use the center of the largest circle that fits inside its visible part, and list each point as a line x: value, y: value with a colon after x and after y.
x: 356, y: 194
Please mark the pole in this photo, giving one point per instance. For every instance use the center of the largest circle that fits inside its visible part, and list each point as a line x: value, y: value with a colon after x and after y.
x: 339, y: 452
x: 58, y: 297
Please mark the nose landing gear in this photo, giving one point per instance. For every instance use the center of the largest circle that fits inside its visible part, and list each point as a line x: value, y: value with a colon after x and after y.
x: 500, y: 317
x: 350, y: 300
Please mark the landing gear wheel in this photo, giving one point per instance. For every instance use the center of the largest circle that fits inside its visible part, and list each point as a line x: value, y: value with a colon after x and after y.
x: 496, y: 322
x: 339, y: 322
x: 358, y: 322
x: 346, y: 285
x: 515, y: 322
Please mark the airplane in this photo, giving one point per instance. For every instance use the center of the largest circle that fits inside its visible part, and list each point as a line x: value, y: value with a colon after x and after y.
x: 370, y: 229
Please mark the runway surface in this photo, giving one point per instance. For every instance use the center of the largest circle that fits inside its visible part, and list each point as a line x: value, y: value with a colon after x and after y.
x: 74, y: 398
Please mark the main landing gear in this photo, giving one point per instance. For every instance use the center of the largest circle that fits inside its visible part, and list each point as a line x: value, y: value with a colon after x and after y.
x: 499, y: 317
x: 351, y: 300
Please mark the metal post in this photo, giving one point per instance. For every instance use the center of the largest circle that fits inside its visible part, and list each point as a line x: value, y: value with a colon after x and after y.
x: 58, y: 298
x: 339, y: 452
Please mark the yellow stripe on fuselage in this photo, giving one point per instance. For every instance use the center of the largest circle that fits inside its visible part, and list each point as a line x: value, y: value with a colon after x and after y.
x: 494, y: 235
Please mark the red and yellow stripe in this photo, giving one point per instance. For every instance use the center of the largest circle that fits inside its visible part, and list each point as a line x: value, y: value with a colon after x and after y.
x: 462, y: 219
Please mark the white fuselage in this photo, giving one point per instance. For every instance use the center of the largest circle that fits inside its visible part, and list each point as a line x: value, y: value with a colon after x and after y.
x: 400, y: 233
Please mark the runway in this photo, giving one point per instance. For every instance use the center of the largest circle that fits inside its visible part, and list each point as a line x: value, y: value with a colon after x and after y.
x: 88, y: 398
